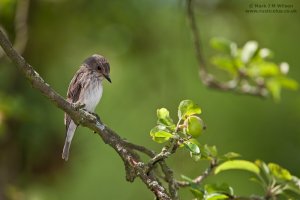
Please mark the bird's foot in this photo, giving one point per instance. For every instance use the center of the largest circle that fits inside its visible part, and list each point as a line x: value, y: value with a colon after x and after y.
x: 92, y: 113
x: 97, y: 116
x: 78, y: 105
x: 98, y: 123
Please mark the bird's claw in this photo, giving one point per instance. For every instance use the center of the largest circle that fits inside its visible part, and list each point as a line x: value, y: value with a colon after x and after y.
x: 94, y: 114
x: 78, y: 105
x: 97, y: 116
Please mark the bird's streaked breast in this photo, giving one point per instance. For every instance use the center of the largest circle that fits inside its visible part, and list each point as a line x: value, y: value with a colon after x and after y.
x: 92, y: 94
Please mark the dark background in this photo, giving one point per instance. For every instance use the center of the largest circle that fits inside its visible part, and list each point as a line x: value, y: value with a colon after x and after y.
x: 149, y: 47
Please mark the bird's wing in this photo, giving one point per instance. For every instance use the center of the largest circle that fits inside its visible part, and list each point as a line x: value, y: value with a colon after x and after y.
x: 73, y: 94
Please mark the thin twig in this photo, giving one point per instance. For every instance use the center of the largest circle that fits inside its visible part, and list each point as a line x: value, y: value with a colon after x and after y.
x: 198, y: 180
x: 165, y: 153
x: 168, y: 172
x: 169, y: 177
x: 196, y: 38
x: 21, y: 27
x: 140, y: 148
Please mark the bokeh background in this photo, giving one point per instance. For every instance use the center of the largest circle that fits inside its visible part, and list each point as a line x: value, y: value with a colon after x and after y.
x: 148, y: 44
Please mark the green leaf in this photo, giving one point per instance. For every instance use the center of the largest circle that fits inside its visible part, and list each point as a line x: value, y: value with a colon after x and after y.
x: 264, y: 69
x: 160, y: 134
x: 208, y: 152
x: 237, y: 164
x: 164, y: 117
x: 197, y: 193
x: 224, y: 45
x: 248, y: 51
x: 187, y: 108
x: 195, y: 141
x: 296, y: 181
x: 216, y: 192
x: 188, y: 179
x: 289, y: 195
x: 279, y: 172
x: 264, y: 169
x: 212, y: 150
x: 194, y: 188
x: 269, y: 69
x: 225, y: 63
x: 215, y: 188
x: 256, y: 180
x: 192, y: 147
x: 216, y: 196
x: 294, y: 185
x: 231, y: 155
x: 288, y: 83
x: 274, y: 87
x: 195, y: 157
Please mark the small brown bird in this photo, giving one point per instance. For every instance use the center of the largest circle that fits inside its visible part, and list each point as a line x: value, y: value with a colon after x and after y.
x: 85, y: 89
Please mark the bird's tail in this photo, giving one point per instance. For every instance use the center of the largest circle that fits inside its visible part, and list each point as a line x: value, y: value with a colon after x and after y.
x: 65, y: 153
x: 69, y: 137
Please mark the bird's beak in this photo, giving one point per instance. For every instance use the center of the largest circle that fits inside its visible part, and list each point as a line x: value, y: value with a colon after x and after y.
x: 107, y: 77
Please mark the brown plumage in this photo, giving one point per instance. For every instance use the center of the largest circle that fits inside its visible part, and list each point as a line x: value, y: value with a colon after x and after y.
x: 85, y: 88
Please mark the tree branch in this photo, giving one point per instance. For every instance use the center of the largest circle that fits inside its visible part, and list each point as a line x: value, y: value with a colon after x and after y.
x: 168, y: 172
x: 133, y: 165
x: 208, y: 79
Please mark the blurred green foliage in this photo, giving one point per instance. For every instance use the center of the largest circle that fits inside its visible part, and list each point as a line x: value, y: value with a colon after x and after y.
x: 152, y: 62
x: 249, y: 67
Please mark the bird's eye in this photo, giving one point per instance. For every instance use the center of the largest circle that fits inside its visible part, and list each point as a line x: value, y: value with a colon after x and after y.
x: 99, y: 68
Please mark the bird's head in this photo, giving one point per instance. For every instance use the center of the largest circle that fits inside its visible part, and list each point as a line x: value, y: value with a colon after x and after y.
x: 99, y: 64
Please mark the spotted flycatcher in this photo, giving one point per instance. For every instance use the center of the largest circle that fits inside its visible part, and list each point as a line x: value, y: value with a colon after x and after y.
x: 85, y: 89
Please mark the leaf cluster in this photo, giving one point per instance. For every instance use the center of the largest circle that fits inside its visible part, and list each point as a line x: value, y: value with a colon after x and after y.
x: 250, y: 67
x: 183, y: 133
x: 276, y: 181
